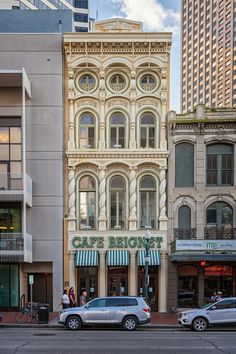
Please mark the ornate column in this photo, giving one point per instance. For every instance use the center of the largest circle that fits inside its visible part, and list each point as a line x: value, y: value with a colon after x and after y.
x: 71, y: 199
x: 71, y: 142
x: 132, y: 139
x: 102, y: 199
x: 163, y: 134
x: 163, y: 282
x: 102, y: 273
x: 72, y: 268
x: 162, y: 218
x: 132, y: 274
x: 102, y: 143
x: 132, y: 200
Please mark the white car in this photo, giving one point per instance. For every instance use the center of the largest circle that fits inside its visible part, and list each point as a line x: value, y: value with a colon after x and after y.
x: 222, y: 312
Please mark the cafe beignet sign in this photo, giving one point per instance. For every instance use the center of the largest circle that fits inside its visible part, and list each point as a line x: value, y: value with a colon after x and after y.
x: 115, y: 242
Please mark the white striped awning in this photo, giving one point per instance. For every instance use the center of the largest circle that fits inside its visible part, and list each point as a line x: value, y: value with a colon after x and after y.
x: 154, y: 258
x: 117, y: 258
x: 86, y: 258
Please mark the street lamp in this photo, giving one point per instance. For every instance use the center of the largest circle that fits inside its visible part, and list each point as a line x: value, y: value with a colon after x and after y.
x: 147, y: 259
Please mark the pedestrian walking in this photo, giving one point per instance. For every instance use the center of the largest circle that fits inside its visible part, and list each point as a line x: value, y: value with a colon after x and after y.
x: 72, y: 297
x: 65, y: 301
x: 83, y: 297
x: 213, y: 298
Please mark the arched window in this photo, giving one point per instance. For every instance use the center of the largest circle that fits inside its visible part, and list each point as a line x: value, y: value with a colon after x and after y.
x: 117, y: 203
x: 219, y: 221
x: 148, y: 130
x: 219, y: 165
x: 87, y: 203
x: 184, y: 165
x: 184, y: 230
x: 86, y: 131
x: 147, y: 201
x: 117, y: 126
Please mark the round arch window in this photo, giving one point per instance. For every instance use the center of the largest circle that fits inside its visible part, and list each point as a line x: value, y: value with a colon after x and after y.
x: 117, y: 83
x: 148, y: 82
x: 86, y: 82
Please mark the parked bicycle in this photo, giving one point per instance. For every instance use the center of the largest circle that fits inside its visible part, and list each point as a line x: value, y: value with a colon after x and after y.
x: 28, y: 313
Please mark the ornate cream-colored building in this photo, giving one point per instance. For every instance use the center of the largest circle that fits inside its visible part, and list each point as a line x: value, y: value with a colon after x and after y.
x: 117, y: 96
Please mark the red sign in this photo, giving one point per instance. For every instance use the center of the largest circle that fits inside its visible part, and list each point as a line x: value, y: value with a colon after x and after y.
x: 218, y: 270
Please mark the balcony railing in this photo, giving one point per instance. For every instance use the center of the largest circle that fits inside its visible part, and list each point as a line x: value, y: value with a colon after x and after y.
x: 15, y: 247
x: 184, y: 234
x: 11, y: 242
x: 12, y: 189
x: 213, y: 233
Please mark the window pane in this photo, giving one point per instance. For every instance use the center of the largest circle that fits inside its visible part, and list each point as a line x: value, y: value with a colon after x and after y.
x: 91, y: 137
x: 98, y: 303
x: 15, y: 152
x: 117, y: 183
x: 4, y: 135
x: 83, y: 209
x: 114, y: 302
x: 122, y: 137
x: 143, y: 140
x: 87, y: 119
x: 211, y: 216
x: 15, y: 168
x: 121, y: 221
x: 148, y: 118
x: 87, y: 182
x: 151, y: 137
x: 148, y: 182
x: 152, y: 209
x: 83, y: 137
x: 113, y: 137
x: 184, y: 165
x: 113, y: 209
x: 15, y: 134
x: 14, y: 284
x: 117, y: 118
x: 143, y: 210
x: 4, y: 152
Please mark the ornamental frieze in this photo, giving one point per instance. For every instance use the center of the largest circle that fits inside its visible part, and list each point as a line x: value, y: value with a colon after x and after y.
x: 85, y: 102
x: 148, y: 102
x: 117, y: 102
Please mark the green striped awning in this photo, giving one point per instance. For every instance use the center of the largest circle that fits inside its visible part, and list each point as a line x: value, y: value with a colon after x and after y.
x: 154, y: 258
x: 86, y: 259
x: 118, y: 258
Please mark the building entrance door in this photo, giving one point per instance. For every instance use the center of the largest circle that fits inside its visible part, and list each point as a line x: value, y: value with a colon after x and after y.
x: 152, y: 288
x: 118, y: 281
x: 87, y: 281
x: 42, y: 288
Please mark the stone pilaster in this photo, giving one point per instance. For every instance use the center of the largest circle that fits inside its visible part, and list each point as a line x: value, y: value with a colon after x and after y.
x: 163, y: 283
x: 133, y: 200
x: 71, y: 200
x: 163, y: 137
x: 133, y: 275
x: 163, y: 217
x: 102, y: 273
x: 102, y: 220
x: 72, y: 268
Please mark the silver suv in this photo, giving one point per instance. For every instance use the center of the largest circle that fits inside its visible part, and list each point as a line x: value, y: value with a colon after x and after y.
x: 127, y: 311
x: 222, y: 312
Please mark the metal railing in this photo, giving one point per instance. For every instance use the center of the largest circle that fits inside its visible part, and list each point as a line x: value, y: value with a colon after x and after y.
x: 213, y: 233
x: 184, y: 234
x: 11, y: 242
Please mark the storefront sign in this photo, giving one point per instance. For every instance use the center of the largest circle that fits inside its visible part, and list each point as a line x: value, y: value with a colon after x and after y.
x: 205, y: 245
x: 115, y: 242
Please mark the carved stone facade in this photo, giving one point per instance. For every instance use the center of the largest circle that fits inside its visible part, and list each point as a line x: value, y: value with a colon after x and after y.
x: 201, y: 204
x: 117, y: 96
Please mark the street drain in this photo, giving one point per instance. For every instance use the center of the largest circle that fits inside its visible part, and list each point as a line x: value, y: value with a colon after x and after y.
x: 44, y: 334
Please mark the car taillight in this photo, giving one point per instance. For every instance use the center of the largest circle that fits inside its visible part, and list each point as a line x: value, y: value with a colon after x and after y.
x: 147, y: 309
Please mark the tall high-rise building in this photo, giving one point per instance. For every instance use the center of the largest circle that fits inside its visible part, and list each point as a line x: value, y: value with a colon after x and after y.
x: 208, y: 53
x: 79, y: 8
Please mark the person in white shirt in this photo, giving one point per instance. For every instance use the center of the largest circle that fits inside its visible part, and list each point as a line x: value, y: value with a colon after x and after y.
x: 65, y: 301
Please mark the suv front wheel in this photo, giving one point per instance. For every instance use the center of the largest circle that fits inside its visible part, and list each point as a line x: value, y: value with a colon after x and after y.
x: 74, y: 323
x: 130, y: 323
x: 199, y: 324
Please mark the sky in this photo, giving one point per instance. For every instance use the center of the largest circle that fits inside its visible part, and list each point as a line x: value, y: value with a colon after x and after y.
x: 157, y: 16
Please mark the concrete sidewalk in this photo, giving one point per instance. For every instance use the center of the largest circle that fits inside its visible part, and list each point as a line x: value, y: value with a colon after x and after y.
x: 158, y: 320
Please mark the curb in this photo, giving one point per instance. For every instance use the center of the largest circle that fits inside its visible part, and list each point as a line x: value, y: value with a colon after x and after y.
x: 57, y: 326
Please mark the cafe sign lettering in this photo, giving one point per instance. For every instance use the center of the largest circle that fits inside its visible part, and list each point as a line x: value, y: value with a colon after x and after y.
x: 116, y: 242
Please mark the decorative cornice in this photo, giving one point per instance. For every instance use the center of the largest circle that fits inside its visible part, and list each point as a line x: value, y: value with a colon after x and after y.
x: 88, y: 154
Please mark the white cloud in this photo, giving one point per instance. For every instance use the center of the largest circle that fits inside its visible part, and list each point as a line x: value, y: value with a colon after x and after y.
x: 152, y: 13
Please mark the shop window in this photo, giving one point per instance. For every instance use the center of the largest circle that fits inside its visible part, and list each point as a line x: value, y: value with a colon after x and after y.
x: 187, y: 286
x: 184, y: 165
x: 117, y: 203
x: 147, y: 202
x: 219, y: 165
x: 148, y: 129
x: 87, y: 202
x: 86, y: 131
x: 9, y: 285
x: 218, y: 278
x: 117, y: 127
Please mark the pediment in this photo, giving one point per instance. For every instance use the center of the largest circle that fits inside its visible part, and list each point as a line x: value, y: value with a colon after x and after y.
x: 117, y: 25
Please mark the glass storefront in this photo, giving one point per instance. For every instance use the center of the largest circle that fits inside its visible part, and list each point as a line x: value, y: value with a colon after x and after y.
x: 117, y: 281
x: 187, y: 286
x: 152, y: 288
x: 88, y: 281
x: 9, y: 285
x: 219, y: 278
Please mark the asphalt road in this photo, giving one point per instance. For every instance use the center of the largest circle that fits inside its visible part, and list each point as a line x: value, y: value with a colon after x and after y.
x: 60, y: 341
